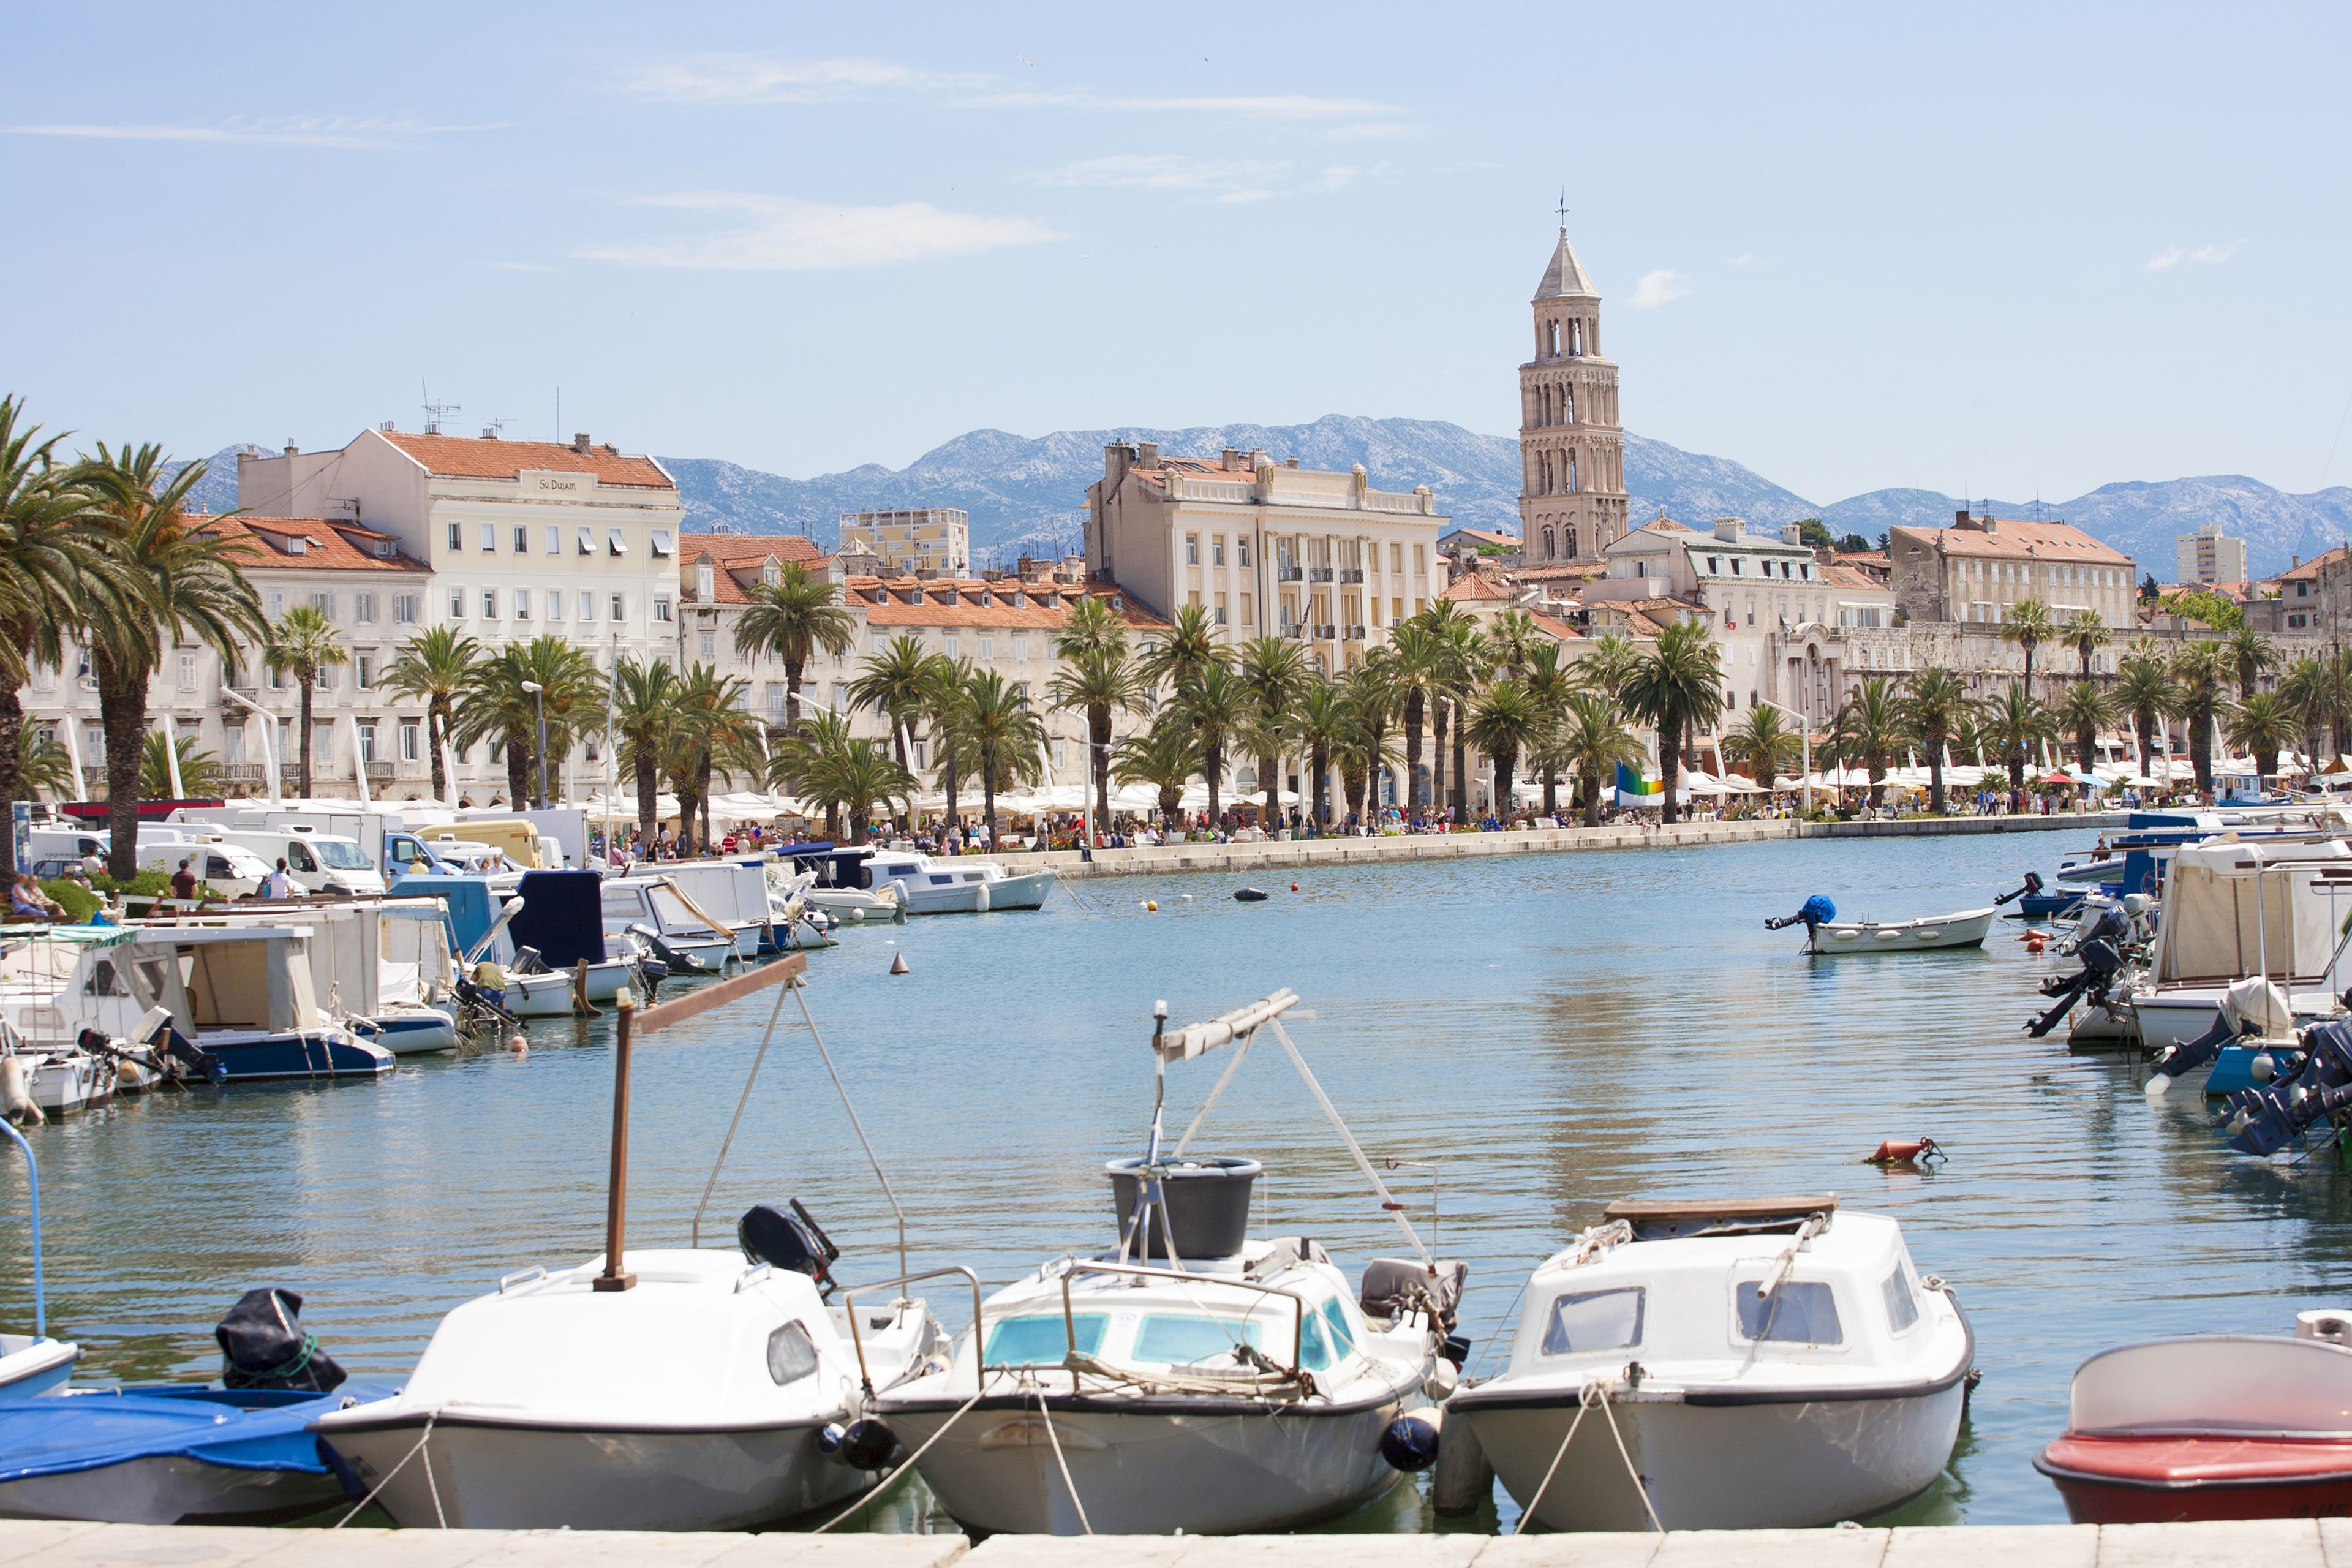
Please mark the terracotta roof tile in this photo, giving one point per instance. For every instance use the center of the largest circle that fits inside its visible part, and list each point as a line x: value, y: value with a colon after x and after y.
x: 325, y: 545
x: 884, y: 603
x: 2311, y: 568
x: 2017, y: 539
x: 1472, y: 586
x: 481, y: 458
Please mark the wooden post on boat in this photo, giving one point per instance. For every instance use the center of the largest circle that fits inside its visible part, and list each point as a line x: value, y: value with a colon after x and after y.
x: 616, y: 1201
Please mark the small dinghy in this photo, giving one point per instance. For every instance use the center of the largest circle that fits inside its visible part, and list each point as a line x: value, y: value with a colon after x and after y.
x: 172, y: 1453
x: 1764, y: 1363
x: 1826, y: 935
x: 1249, y: 895
x: 2211, y: 1426
x: 1191, y: 1378
x: 34, y: 1365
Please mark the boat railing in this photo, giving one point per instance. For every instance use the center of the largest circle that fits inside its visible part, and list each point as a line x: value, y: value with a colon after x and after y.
x: 1141, y: 1271
x: 849, y: 1309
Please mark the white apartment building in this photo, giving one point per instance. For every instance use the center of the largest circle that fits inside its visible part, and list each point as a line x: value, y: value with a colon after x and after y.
x: 1265, y: 547
x: 1976, y: 569
x: 2209, y: 556
x: 922, y: 539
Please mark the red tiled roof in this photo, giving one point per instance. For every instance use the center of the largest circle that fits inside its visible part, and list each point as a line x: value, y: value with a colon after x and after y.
x: 2018, y: 539
x: 326, y: 545
x: 740, y: 559
x: 883, y: 600
x: 1485, y: 536
x: 481, y: 458
x: 1559, y: 629
x: 1478, y: 585
x: 1839, y: 574
x: 2311, y: 568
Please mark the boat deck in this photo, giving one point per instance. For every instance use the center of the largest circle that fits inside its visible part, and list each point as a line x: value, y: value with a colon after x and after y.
x: 2274, y: 1544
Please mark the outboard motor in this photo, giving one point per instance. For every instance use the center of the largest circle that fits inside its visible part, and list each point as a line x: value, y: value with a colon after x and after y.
x: 168, y: 1043
x: 2262, y: 1121
x: 2097, y: 946
x: 1814, y: 912
x: 264, y: 1345
x: 2031, y: 888
x: 794, y: 1241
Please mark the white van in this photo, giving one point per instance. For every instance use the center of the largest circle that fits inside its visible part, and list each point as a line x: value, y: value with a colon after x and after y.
x: 226, y: 869
x: 318, y: 862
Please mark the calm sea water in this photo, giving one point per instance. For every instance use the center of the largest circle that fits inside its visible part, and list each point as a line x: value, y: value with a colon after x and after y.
x: 1550, y: 1032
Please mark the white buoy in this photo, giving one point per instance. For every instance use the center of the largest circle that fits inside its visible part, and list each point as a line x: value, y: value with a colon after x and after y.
x: 1186, y: 897
x: 899, y: 963
x: 517, y: 1046
x: 857, y: 917
x: 16, y: 1091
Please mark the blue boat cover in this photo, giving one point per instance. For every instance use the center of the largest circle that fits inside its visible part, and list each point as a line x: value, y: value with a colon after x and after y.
x: 471, y: 904
x: 239, y: 1429
x: 562, y: 916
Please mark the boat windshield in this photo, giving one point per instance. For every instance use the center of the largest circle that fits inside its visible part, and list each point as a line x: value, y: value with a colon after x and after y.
x: 1801, y: 1312
x: 341, y: 856
x: 1902, y: 1307
x: 1185, y: 1339
x: 1595, y: 1321
x: 1337, y: 1316
x: 1042, y: 1339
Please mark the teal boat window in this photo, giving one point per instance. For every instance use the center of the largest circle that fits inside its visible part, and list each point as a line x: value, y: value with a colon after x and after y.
x: 1042, y: 1339
x: 1594, y: 1320
x: 1802, y: 1312
x: 1902, y: 1307
x: 1313, y: 1348
x: 1182, y: 1338
x: 1337, y: 1316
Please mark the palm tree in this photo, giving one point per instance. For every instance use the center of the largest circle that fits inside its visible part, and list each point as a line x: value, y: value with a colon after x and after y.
x: 2201, y: 673
x: 2028, y: 625
x: 2145, y: 693
x: 1935, y: 708
x: 943, y: 711
x: 714, y: 731
x: 199, y: 771
x: 1549, y: 682
x: 1100, y: 678
x: 2088, y: 633
x: 1505, y: 724
x: 2085, y: 711
x: 1325, y: 722
x: 1220, y: 707
x: 44, y: 763
x: 432, y: 669
x: 644, y: 714
x: 1369, y: 688
x: 2014, y: 724
x: 2264, y: 724
x: 1416, y: 665
x: 305, y: 644
x: 1006, y: 734
x: 1610, y: 663
x: 1870, y: 728
x: 792, y: 617
x: 1591, y: 740
x: 1512, y: 638
x: 168, y: 582
x: 822, y: 762
x: 1276, y: 672
x: 495, y: 707
x: 1764, y: 742
x: 895, y: 682
x: 1467, y: 662
x: 1165, y: 756
x: 1089, y: 623
x: 2253, y: 656
x: 2305, y: 686
x: 1189, y: 646
x: 1677, y: 688
x: 53, y: 556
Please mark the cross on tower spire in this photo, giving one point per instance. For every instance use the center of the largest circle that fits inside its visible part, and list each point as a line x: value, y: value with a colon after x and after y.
x: 1563, y: 210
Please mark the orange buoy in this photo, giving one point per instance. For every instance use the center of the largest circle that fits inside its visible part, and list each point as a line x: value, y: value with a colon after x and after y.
x: 1903, y: 1151
x: 2033, y: 940
x: 1294, y: 886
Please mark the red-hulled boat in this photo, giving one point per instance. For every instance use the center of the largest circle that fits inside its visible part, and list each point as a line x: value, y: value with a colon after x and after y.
x: 2216, y: 1426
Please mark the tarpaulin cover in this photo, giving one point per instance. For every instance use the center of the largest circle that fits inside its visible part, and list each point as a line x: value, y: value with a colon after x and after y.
x: 562, y: 916
x: 244, y: 1429
x: 471, y: 905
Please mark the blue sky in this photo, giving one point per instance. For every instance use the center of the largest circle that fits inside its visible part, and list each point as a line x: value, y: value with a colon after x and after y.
x: 2024, y: 249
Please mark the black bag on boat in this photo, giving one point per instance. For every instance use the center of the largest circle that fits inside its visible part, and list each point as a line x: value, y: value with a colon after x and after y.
x: 264, y: 1345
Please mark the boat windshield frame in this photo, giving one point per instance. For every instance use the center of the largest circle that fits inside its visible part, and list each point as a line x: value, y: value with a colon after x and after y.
x: 849, y: 1309
x: 1299, y: 1309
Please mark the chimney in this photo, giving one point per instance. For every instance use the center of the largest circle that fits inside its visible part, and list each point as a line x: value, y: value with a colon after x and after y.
x: 489, y: 432
x: 291, y: 449
x: 1727, y: 528
x: 1791, y: 533
x: 1290, y: 462
x: 389, y: 426
x: 580, y: 442
x: 1960, y: 518
x: 1986, y: 522
x: 1231, y: 458
x: 1257, y: 458
x: 1147, y: 455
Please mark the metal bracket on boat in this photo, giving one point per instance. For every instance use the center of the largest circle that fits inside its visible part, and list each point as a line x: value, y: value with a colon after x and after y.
x: 534, y: 1271
x: 857, y: 1342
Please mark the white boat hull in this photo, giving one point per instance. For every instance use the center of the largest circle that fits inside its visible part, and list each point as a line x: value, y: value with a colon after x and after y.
x: 1966, y: 928
x: 61, y: 1084
x: 31, y: 1367
x: 854, y: 903
x: 497, y: 1477
x: 2176, y: 1017
x: 1780, y: 1466
x: 549, y: 995
x: 410, y: 1031
x: 169, y: 1490
x: 1149, y: 1473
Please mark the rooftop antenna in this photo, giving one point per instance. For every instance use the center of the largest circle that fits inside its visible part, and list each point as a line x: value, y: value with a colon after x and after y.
x: 491, y: 428
x: 433, y: 411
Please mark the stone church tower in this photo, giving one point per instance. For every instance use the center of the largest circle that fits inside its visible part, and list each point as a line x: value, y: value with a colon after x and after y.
x: 1571, y: 448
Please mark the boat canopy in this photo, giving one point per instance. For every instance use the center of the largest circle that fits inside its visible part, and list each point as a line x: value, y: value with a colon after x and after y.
x: 561, y: 917
x: 2220, y: 1383
x: 471, y: 904
x: 223, y: 978
x: 2234, y: 909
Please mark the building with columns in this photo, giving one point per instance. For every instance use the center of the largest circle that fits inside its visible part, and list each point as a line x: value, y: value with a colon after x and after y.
x: 1266, y: 548
x: 1572, y: 503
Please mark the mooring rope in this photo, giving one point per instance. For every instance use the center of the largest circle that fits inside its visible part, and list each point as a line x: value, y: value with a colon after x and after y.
x: 728, y: 1141
x: 396, y: 1470
x: 1054, y: 1438
x: 1591, y: 1393
x: 885, y: 1483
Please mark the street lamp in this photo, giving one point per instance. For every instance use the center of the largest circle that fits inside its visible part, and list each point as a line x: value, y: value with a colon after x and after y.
x: 539, y: 694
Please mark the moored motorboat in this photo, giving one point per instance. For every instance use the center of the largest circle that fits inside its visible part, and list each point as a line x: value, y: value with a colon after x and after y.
x: 2210, y: 1427
x: 1763, y: 1362
x: 1826, y: 935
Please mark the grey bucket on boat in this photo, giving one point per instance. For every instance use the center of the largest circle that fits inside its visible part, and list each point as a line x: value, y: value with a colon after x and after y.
x: 1207, y: 1198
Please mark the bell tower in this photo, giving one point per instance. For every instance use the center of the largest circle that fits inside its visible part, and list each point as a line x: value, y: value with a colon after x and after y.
x: 1571, y: 448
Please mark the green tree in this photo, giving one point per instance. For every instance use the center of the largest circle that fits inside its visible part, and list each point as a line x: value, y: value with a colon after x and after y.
x: 2014, y: 724
x: 1190, y: 646
x: 1550, y: 681
x: 2252, y: 655
x: 945, y: 709
x: 1610, y: 663
x: 1276, y: 672
x: 822, y: 762
x: 2305, y: 689
x: 1008, y: 735
x: 1763, y: 740
x: 1468, y: 662
x: 644, y: 714
x: 1813, y: 535
x: 1368, y: 688
x: 199, y: 771
x: 2201, y: 673
x: 895, y: 682
x: 2145, y: 694
x: 2088, y: 633
x: 1591, y: 739
x: 2028, y: 625
x: 1512, y: 638
x: 1325, y: 722
x: 1220, y: 706
x: 169, y: 581
x: 2216, y: 610
x: 714, y: 731
x: 494, y: 707
x: 1417, y: 663
x: 433, y: 670
x: 1505, y: 724
x: 1101, y: 682
x: 1936, y: 708
x: 2262, y: 725
x: 2086, y: 709
x: 1869, y: 729
x: 305, y: 644
x: 44, y: 764
x: 793, y: 617
x: 1677, y: 690
x: 1165, y: 757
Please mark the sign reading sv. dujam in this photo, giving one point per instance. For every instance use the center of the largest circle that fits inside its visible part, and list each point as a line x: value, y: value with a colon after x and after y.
x: 549, y: 482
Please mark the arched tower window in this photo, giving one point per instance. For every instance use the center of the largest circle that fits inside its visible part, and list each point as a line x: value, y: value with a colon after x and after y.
x: 1548, y: 543
x: 1555, y: 339
x: 1571, y: 473
x: 1572, y: 542
x: 1576, y: 337
x: 1568, y: 405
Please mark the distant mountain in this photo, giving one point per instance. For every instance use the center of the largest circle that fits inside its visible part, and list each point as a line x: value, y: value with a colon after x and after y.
x: 1028, y: 493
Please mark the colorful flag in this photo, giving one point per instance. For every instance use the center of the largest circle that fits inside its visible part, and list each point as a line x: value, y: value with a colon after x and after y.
x: 1631, y: 782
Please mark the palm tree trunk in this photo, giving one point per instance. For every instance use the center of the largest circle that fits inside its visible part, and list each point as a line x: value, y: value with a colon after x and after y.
x: 1213, y: 766
x: 12, y: 735
x: 1551, y: 791
x: 649, y: 793
x: 1590, y: 784
x: 1670, y: 766
x: 1438, y: 714
x: 1935, y: 775
x: 122, y: 710
x: 1098, y: 761
x: 1270, y: 776
x: 702, y: 790
x: 1504, y: 762
x: 1461, y: 764
x: 433, y: 733
x: 988, y: 792
x: 859, y: 817
x: 2086, y: 748
x: 1412, y: 715
x: 948, y: 779
x: 1320, y: 765
x: 517, y: 762
x: 2200, y: 749
x: 305, y: 682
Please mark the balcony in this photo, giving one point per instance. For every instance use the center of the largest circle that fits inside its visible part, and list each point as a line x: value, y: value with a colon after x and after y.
x: 243, y: 773
x: 1351, y: 574
x: 1290, y: 574
x: 379, y: 772
x: 1326, y: 634
x: 1351, y: 633
x: 1319, y: 573
x: 1290, y: 629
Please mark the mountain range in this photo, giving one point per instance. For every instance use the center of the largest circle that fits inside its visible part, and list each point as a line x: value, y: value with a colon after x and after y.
x: 1027, y: 494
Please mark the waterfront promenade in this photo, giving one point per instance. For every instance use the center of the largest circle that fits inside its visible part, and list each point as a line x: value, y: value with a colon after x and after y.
x: 1388, y: 849
x: 2274, y: 1544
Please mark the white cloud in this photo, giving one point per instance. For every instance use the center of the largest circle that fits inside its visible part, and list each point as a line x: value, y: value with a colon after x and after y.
x: 1166, y: 171
x: 518, y: 267
x: 1743, y: 258
x: 2166, y: 260
x: 1656, y: 289
x: 780, y: 234
x: 1372, y: 130
x: 303, y: 131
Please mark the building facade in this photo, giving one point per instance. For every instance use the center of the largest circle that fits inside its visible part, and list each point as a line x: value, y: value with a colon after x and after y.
x: 1573, y: 502
x: 2209, y: 556
x: 1976, y: 569
x: 1264, y: 548
x: 929, y: 539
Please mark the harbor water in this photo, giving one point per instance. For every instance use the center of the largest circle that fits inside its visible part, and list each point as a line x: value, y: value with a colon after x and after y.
x: 1545, y: 1033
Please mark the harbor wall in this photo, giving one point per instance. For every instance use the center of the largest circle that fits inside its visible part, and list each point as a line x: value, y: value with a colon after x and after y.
x: 2273, y: 1544
x: 1173, y: 859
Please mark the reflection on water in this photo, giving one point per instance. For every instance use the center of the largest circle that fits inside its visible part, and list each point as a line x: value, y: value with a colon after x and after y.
x: 1553, y: 1032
